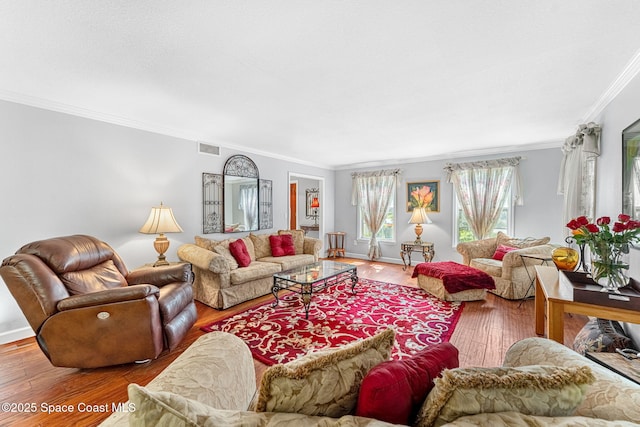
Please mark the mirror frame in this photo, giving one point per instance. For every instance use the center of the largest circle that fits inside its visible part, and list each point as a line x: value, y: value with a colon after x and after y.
x: 239, y: 166
x: 631, y: 163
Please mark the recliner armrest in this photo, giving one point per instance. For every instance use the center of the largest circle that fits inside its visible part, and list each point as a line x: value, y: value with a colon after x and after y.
x: 127, y: 293
x: 160, y: 276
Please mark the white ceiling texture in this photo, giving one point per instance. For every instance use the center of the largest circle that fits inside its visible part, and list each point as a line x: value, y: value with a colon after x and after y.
x: 333, y: 83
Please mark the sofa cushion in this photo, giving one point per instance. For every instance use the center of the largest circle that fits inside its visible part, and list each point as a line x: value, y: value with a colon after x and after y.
x: 159, y: 408
x: 601, y: 335
x: 239, y: 251
x: 517, y: 419
x: 501, y: 251
x: 394, y: 390
x: 282, y: 245
x: 489, y: 265
x: 257, y: 270
x: 324, y: 382
x: 533, y: 390
x: 520, y: 243
x: 298, y: 239
x: 261, y: 245
x: 290, y: 261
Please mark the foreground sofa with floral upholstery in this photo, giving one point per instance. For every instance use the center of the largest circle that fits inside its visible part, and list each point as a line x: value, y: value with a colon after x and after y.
x: 221, y: 281
x: 541, y: 383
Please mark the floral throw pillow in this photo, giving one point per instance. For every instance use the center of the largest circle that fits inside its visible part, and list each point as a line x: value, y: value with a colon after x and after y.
x: 532, y: 390
x: 325, y: 382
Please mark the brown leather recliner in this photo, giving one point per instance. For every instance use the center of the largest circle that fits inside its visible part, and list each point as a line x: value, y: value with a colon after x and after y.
x: 88, y: 310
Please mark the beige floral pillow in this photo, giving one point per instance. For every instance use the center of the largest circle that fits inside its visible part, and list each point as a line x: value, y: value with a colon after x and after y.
x: 298, y: 239
x: 250, y: 248
x: 223, y: 249
x: 205, y: 243
x: 325, y: 382
x: 532, y: 390
x: 261, y: 245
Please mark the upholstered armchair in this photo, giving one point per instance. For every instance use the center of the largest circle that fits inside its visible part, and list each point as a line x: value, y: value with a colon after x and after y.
x: 501, y: 258
x: 87, y: 310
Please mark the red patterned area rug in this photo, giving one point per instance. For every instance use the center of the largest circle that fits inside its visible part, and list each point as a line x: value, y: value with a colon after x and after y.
x: 281, y: 334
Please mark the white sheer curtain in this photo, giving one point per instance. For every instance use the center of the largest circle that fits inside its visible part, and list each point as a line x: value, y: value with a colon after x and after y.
x: 577, y: 180
x: 372, y: 192
x: 249, y: 206
x: 482, y: 189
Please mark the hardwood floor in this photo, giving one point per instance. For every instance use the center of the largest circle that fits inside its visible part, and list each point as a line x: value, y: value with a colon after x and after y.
x: 484, y: 332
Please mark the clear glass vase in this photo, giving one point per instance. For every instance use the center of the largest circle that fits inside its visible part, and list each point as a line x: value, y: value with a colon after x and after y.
x: 610, y: 265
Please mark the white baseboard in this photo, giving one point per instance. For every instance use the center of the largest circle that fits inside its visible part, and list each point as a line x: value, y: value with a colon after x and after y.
x: 15, y: 335
x: 383, y: 259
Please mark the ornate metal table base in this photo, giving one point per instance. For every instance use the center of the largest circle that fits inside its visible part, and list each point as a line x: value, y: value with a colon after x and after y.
x: 313, y: 278
x: 425, y: 247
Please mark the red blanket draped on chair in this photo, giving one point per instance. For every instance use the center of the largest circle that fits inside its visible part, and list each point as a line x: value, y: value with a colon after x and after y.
x: 455, y: 277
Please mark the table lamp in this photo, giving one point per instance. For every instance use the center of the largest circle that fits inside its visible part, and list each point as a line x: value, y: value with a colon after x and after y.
x: 315, y: 204
x: 160, y: 221
x: 419, y: 217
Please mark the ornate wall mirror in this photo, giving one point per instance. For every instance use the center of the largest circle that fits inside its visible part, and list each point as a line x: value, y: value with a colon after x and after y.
x: 631, y: 170
x: 312, y: 205
x: 240, y: 195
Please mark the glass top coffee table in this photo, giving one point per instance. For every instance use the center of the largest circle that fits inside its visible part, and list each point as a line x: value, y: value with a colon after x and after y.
x: 312, y: 278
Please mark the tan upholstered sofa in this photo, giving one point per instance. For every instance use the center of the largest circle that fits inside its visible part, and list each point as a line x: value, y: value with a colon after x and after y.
x: 513, y: 274
x: 221, y: 283
x: 213, y: 383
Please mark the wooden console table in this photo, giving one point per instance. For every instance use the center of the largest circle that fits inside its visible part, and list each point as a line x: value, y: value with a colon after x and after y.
x: 556, y: 298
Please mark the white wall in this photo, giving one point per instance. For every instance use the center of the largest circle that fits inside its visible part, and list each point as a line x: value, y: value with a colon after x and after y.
x: 64, y: 175
x: 619, y: 114
x: 541, y: 214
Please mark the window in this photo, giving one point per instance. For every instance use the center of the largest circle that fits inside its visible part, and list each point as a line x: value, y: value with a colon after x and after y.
x: 387, y: 232
x: 462, y: 231
x: 485, y: 194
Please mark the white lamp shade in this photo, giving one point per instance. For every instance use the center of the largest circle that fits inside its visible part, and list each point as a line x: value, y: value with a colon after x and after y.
x: 161, y: 220
x: 419, y: 216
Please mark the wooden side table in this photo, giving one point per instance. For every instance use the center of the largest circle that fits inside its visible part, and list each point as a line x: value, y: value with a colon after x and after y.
x: 554, y: 298
x: 428, y: 252
x: 336, y: 243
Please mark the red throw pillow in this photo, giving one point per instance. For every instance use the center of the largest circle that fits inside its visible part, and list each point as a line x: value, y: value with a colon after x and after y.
x: 239, y: 251
x: 394, y: 391
x: 282, y: 245
x: 501, y: 251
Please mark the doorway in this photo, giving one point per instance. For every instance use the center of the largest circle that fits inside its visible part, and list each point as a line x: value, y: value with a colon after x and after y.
x: 301, y: 215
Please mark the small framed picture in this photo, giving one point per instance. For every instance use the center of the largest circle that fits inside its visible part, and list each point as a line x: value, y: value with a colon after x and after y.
x: 424, y: 194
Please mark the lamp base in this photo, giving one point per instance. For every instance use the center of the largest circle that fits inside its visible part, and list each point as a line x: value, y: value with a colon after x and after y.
x: 418, y: 231
x: 161, y: 244
x: 162, y: 260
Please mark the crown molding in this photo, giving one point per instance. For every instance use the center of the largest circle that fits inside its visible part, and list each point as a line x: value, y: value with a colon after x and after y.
x: 542, y: 145
x: 626, y: 75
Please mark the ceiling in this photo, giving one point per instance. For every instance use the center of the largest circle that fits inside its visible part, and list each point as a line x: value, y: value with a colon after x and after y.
x: 326, y: 82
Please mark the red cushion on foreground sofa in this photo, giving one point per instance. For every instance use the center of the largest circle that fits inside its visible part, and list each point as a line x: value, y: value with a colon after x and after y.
x: 501, y: 251
x: 394, y: 391
x: 282, y: 245
x: 239, y: 251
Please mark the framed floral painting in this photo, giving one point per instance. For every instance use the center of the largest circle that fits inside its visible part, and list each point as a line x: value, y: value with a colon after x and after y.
x: 425, y: 194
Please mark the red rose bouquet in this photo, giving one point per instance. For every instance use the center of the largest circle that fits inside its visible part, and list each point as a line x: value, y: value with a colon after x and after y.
x: 609, y: 245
